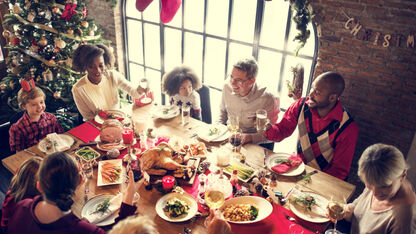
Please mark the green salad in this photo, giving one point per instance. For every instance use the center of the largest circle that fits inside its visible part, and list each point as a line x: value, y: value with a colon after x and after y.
x: 176, y: 207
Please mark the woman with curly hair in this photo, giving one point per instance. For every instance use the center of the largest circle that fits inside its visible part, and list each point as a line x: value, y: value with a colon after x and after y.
x: 180, y: 84
x: 98, y: 89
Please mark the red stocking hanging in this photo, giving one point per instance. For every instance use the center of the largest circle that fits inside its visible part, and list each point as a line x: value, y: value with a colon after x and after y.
x: 142, y: 4
x: 169, y: 9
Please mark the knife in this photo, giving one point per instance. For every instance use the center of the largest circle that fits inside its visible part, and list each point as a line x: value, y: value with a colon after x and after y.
x: 90, y: 143
x: 31, y: 152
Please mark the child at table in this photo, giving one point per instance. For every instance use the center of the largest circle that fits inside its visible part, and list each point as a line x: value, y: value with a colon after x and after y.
x: 180, y: 84
x: 35, y: 123
x: 22, y: 186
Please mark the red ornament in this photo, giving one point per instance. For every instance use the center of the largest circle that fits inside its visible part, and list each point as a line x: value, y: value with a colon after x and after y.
x: 84, y: 12
x: 69, y: 11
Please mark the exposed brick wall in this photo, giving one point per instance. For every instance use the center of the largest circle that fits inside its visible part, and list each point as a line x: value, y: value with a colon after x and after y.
x: 381, y: 82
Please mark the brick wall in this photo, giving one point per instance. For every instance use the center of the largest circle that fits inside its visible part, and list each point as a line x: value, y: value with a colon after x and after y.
x: 381, y: 81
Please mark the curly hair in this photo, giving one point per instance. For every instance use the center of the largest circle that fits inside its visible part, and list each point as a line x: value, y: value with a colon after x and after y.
x: 85, y: 55
x: 249, y: 65
x: 172, y: 80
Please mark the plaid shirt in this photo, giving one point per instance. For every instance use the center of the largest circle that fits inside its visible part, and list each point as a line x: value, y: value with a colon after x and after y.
x: 24, y: 134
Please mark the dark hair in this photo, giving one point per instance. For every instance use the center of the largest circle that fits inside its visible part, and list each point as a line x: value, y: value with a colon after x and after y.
x: 172, y: 80
x: 59, y: 177
x: 23, y: 184
x: 85, y: 55
x: 249, y: 65
x: 335, y: 80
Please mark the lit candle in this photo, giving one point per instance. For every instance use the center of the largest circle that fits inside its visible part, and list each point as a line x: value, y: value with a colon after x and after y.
x: 128, y: 136
x: 168, y: 182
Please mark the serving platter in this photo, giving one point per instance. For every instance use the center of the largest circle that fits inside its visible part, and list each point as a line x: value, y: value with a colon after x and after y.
x: 185, y: 197
x: 264, y: 207
x: 271, y: 161
x: 117, y: 163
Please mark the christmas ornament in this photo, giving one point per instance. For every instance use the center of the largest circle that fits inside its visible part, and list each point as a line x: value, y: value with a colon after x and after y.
x: 34, y: 48
x: 15, y: 70
x: 84, y: 24
x: 17, y: 9
x: 38, y: 79
x: 27, y: 7
x: 84, y: 12
x: 60, y: 43
x: 91, y: 33
x: 56, y: 49
x: 3, y: 87
x: 48, y: 15
x: 31, y: 16
x: 70, y: 31
x: 56, y: 10
x: 169, y: 9
x: 27, y: 84
x: 57, y: 95
x: 6, y: 34
x: 52, y: 62
x: 41, y: 12
x: 14, y: 40
x: 94, y: 27
x: 11, y: 84
x: 43, y: 41
x: 47, y: 75
x: 142, y: 4
x: 79, y: 31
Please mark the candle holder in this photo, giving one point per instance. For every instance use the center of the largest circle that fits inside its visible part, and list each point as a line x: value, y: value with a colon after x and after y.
x: 168, y: 182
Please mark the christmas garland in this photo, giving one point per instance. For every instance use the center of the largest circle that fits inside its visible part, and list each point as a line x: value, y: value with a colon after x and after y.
x: 303, y: 16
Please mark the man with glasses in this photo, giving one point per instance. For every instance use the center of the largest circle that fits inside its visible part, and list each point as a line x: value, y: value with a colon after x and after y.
x: 327, y: 132
x: 242, y: 97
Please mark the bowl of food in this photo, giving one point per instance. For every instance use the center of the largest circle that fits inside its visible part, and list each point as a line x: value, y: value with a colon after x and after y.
x: 246, y: 209
x: 176, y: 207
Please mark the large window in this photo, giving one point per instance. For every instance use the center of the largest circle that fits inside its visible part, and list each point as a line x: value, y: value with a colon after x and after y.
x: 209, y: 36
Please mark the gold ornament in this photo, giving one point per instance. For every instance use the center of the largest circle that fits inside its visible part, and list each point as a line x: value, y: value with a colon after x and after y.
x: 68, y: 62
x: 17, y: 9
x: 31, y: 16
x: 84, y: 24
x: 57, y: 95
x: 6, y: 34
x: 70, y: 31
x: 60, y: 43
x: 3, y: 87
x: 38, y: 79
x: 43, y: 41
x: 94, y: 28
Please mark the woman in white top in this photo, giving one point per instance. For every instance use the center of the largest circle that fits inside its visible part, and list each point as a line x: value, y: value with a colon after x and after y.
x: 98, y: 89
x: 388, y: 203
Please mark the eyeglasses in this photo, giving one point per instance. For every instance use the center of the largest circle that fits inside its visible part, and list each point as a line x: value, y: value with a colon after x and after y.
x: 236, y: 80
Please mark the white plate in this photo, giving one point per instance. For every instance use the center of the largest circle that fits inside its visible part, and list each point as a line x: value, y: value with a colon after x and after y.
x: 67, y: 139
x: 120, y: 146
x: 116, y: 162
x: 118, y: 113
x: 311, y: 216
x: 190, y: 201
x: 270, y: 162
x: 221, y: 135
x: 90, y: 205
x: 265, y: 208
x: 166, y: 112
x: 239, y: 164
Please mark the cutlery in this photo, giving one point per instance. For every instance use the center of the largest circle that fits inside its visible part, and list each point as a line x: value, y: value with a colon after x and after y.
x: 31, y: 152
x: 90, y: 143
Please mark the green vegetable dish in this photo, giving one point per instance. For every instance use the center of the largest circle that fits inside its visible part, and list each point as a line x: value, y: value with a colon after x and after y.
x: 176, y: 207
x: 307, y: 201
x: 213, y: 131
x: 102, y: 207
x: 87, y: 153
x: 243, y: 172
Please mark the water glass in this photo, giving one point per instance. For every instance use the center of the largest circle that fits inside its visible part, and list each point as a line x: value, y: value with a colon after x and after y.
x: 186, y: 114
x: 87, y: 169
x: 261, y: 120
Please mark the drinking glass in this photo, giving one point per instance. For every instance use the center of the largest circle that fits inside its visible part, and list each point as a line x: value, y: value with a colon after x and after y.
x: 261, y: 120
x: 144, y: 83
x: 87, y: 168
x: 336, y: 211
x: 223, y: 160
x: 214, y: 198
x: 233, y: 123
x: 235, y: 140
x: 186, y: 114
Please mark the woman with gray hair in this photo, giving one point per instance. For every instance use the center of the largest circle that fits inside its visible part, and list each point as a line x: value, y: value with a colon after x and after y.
x: 388, y: 203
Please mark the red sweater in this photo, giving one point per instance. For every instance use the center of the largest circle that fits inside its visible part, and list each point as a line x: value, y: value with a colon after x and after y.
x: 345, y: 142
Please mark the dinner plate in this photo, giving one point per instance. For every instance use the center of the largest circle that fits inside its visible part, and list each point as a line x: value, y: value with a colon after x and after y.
x: 120, y: 146
x: 214, y: 133
x: 265, y: 208
x: 116, y: 162
x: 190, y: 201
x: 42, y: 146
x: 91, y: 205
x: 271, y: 161
x: 318, y: 213
x: 117, y: 113
x: 166, y: 112
x: 244, y: 172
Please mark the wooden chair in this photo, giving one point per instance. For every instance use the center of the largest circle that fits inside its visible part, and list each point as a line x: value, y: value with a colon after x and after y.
x: 205, y: 104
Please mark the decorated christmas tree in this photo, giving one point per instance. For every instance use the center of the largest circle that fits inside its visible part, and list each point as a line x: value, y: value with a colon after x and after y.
x: 42, y: 36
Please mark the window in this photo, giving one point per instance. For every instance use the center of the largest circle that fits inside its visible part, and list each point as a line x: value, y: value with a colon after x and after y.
x: 209, y: 36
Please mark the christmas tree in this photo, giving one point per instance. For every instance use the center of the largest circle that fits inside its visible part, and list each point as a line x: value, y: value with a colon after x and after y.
x: 42, y: 36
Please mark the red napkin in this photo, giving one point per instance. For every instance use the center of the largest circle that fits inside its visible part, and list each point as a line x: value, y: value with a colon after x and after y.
x: 276, y: 223
x: 292, y: 161
x: 106, y: 115
x: 86, y: 132
x: 138, y: 101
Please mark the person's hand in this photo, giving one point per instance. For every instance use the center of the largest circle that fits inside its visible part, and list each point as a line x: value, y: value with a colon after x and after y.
x: 246, y: 138
x: 217, y: 223
x: 132, y: 188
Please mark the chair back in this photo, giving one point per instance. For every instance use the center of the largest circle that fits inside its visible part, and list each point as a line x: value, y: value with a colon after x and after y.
x: 205, y: 104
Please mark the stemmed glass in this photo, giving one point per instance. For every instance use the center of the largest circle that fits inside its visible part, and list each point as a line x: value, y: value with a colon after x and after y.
x: 214, y: 198
x: 336, y: 211
x: 144, y: 83
x: 236, y: 141
x: 233, y: 123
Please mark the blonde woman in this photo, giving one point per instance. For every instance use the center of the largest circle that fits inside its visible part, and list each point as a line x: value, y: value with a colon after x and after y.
x: 388, y: 203
x: 135, y: 225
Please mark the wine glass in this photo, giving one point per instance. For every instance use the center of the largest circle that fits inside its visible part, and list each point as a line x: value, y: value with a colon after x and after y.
x: 336, y: 211
x: 214, y: 198
x: 144, y: 83
x: 235, y: 140
x: 233, y: 123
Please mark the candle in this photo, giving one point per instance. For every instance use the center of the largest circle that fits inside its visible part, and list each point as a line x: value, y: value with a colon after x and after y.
x: 128, y: 136
x: 168, y: 182
x: 223, y: 158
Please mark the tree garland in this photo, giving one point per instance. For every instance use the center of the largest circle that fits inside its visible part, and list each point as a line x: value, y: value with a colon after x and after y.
x: 303, y: 16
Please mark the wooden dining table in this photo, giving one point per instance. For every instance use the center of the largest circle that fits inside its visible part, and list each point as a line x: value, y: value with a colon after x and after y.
x: 321, y: 183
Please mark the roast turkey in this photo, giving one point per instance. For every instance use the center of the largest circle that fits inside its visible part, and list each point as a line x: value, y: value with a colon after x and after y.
x: 159, y: 157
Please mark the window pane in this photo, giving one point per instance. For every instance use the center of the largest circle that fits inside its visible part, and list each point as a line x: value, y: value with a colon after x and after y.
x: 237, y: 52
x: 243, y: 19
x: 177, y: 19
x: 194, y: 15
x: 136, y: 73
x: 152, y: 12
x: 274, y: 24
x: 131, y: 10
x: 310, y: 44
x: 172, y: 48
x: 214, y: 62
x: 292, y: 61
x: 152, y: 45
x: 135, y: 42
x: 193, y: 52
x: 154, y: 78
x: 269, y: 69
x: 217, y: 17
